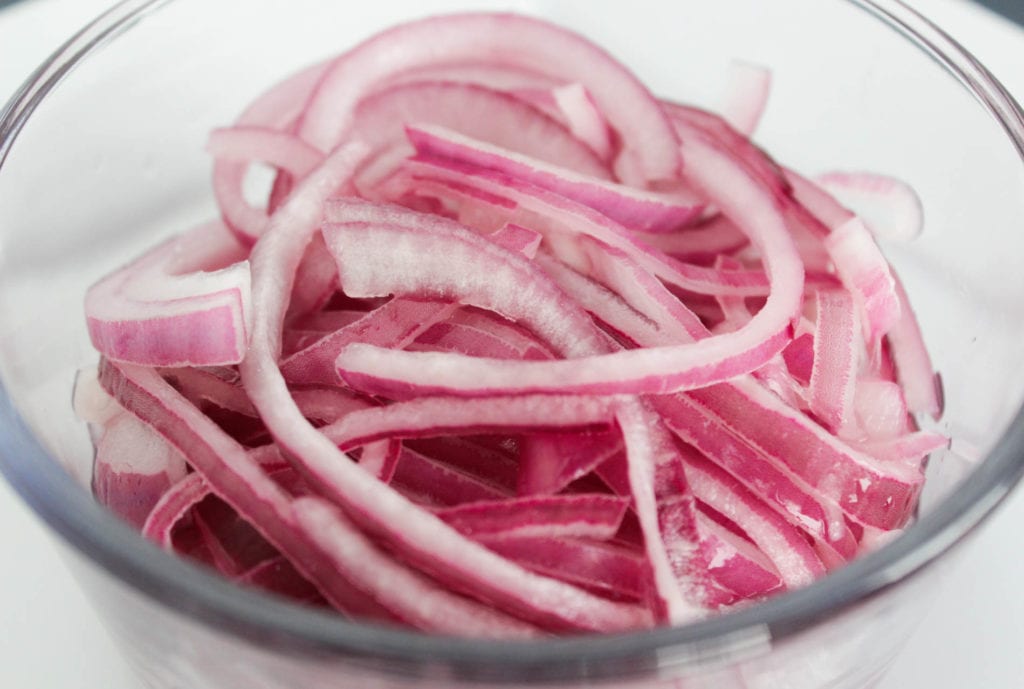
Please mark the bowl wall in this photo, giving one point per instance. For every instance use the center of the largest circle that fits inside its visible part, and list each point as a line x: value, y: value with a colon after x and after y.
x: 113, y: 159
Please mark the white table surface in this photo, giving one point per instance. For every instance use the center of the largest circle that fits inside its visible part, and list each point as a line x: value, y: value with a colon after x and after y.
x: 49, y: 639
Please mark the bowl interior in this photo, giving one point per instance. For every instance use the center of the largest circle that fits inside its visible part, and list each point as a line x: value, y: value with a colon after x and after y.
x: 113, y: 160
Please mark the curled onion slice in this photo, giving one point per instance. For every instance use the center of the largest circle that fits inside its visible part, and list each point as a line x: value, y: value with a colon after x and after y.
x: 888, y: 206
x: 242, y: 144
x: 649, y: 150
x: 185, y: 303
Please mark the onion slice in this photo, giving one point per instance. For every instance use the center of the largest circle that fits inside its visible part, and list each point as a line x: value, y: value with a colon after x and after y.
x: 746, y: 95
x: 475, y: 111
x: 411, y: 596
x: 184, y: 303
x: 634, y: 209
x: 595, y: 516
x: 888, y: 206
x: 649, y: 149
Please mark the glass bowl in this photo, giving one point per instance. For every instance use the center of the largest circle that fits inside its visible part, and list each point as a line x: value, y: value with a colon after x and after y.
x: 102, y: 154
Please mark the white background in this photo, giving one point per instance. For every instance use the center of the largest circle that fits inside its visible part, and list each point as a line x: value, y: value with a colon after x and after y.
x: 49, y: 638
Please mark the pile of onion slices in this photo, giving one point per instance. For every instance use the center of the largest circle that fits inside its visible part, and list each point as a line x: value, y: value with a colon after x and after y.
x: 513, y: 348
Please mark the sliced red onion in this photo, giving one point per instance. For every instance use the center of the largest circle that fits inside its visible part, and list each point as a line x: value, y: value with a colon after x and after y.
x: 790, y: 553
x: 277, y: 575
x: 584, y: 118
x: 475, y: 111
x: 746, y: 95
x: 604, y: 568
x: 235, y: 546
x: 823, y: 212
x: 592, y: 516
x: 92, y: 404
x: 641, y: 290
x: 735, y: 563
x: 518, y: 339
x: 90, y: 401
x: 318, y: 284
x: 635, y: 209
x: 232, y: 474
x: 889, y: 207
x: 483, y: 211
x: 910, y: 449
x: 409, y: 595
x: 419, y: 262
x: 452, y: 337
x: 563, y: 216
x: 518, y: 239
x: 500, y: 76
x: 244, y: 145
x: 328, y: 404
x: 763, y: 474
x: 776, y: 377
x: 172, y: 507
x: 836, y: 354
x: 806, y: 231
x: 693, y: 123
x: 608, y: 308
x: 809, y: 235
x: 660, y: 537
x: 418, y: 536
x: 882, y: 495
x: 550, y: 462
x: 921, y: 384
x: 711, y: 238
x: 799, y: 357
x: 380, y: 459
x: 649, y: 370
x: 434, y: 482
x: 691, y: 282
x: 203, y: 388
x: 865, y: 272
x: 433, y: 416
x: 400, y: 321
x: 856, y: 257
x: 492, y: 458
x: 327, y: 321
x: 200, y: 386
x: 572, y: 105
x: 880, y: 408
x: 282, y: 103
x: 649, y: 150
x: 396, y: 324
x: 735, y: 312
x: 277, y: 109
x: 133, y: 468
x: 184, y: 303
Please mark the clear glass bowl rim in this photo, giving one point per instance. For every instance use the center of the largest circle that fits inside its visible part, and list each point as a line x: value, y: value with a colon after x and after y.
x: 263, y: 619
